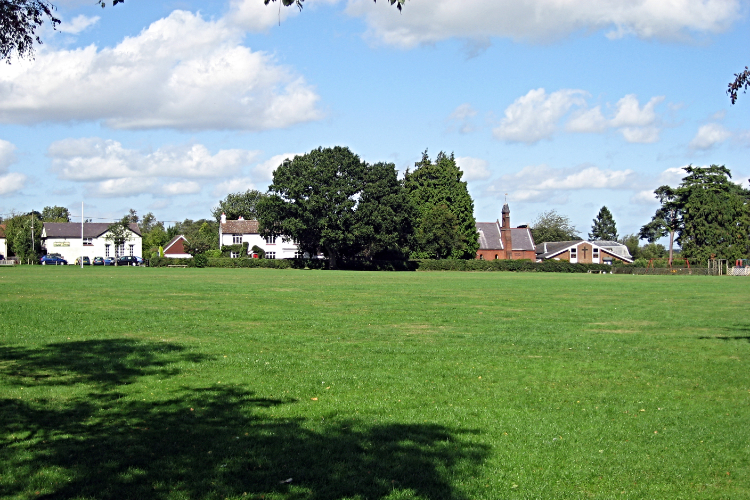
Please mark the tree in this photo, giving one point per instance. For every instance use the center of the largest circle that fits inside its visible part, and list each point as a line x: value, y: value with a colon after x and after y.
x: 201, y: 235
x: 551, y: 226
x: 604, y: 227
x: 22, y: 233
x: 433, y: 184
x: 237, y: 205
x: 19, y: 20
x: 153, y: 234
x: 665, y: 221
x: 709, y: 213
x: 56, y: 214
x: 633, y: 243
x: 329, y: 199
x: 740, y: 80
x: 118, y: 233
x: 298, y: 3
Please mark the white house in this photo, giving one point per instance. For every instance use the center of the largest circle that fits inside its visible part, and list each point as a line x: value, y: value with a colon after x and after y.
x: 65, y: 239
x: 3, y: 242
x: 233, y: 232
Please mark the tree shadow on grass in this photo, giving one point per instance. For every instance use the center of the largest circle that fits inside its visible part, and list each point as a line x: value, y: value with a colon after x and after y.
x: 209, y: 443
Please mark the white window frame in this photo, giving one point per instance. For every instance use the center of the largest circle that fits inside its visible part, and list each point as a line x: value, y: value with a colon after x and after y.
x: 120, y: 250
x: 88, y: 242
x: 234, y: 255
x: 574, y: 255
x: 270, y: 240
x: 298, y: 254
x: 132, y: 250
x: 106, y: 250
x: 271, y: 255
x: 595, y: 255
x: 236, y: 239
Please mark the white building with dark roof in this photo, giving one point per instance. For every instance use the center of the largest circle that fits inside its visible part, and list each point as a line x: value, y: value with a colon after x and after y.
x: 65, y: 238
x: 584, y: 252
x: 236, y: 232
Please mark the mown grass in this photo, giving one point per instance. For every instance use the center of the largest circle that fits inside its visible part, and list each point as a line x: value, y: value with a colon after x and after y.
x: 120, y: 383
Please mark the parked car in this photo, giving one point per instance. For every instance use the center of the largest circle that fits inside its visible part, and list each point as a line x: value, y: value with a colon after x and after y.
x: 98, y: 261
x: 127, y: 260
x: 53, y: 259
x: 86, y: 261
x: 2, y: 257
x: 109, y: 261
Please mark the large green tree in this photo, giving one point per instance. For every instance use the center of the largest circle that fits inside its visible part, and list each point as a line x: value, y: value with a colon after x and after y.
x: 23, y: 236
x: 604, y: 227
x: 552, y: 226
x: 432, y: 185
x: 56, y: 214
x: 709, y: 213
x: 237, y: 205
x: 665, y: 221
x: 330, y: 200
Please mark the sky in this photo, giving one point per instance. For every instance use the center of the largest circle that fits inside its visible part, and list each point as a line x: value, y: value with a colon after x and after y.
x: 565, y: 105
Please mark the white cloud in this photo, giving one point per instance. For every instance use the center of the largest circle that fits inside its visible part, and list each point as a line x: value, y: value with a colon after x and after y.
x: 709, y: 136
x: 672, y: 176
x: 645, y: 197
x: 540, y: 182
x: 7, y: 155
x: 95, y: 158
x: 11, y: 183
x: 178, y: 188
x: 636, y: 123
x: 462, y: 116
x: 543, y: 20
x: 238, y: 185
x: 160, y: 78
x: 115, y: 188
x: 473, y: 168
x: 77, y: 24
x: 534, y: 117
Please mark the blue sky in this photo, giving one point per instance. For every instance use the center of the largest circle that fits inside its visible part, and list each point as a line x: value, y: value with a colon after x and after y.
x: 570, y: 105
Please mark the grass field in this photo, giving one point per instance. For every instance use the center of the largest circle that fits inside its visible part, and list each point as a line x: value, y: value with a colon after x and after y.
x: 137, y: 383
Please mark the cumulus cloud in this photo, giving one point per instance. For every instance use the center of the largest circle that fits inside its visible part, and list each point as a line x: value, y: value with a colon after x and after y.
x: 474, y: 168
x: 7, y: 155
x: 535, y: 116
x: 11, y: 183
x: 95, y: 159
x: 77, y: 24
x: 709, y: 136
x: 540, y: 182
x: 264, y: 170
x: 160, y: 79
x: 544, y: 20
x: 636, y: 123
x: 115, y: 188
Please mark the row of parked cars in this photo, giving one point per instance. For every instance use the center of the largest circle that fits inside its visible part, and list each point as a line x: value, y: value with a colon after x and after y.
x: 55, y: 259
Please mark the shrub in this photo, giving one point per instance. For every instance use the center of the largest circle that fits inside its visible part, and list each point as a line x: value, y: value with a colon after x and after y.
x: 200, y: 260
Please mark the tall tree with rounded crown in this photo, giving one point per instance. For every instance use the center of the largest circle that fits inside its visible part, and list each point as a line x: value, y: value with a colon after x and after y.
x: 432, y: 185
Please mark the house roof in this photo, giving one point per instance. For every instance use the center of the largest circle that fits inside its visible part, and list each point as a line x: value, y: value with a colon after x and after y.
x: 73, y: 229
x: 173, y: 241
x: 489, y: 236
x: 521, y: 238
x: 240, y: 227
x: 550, y: 249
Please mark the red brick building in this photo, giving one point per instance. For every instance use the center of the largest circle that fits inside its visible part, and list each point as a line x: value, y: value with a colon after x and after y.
x: 497, y: 240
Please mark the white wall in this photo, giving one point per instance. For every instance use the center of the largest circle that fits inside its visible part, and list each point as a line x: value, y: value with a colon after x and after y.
x: 72, y: 248
x: 283, y: 249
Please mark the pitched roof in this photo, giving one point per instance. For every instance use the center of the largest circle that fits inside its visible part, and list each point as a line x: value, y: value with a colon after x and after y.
x: 489, y: 236
x: 550, y: 249
x: 178, y: 248
x: 240, y: 227
x: 521, y: 238
x: 73, y: 229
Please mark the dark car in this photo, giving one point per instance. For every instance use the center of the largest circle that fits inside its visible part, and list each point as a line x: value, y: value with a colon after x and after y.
x: 98, y: 261
x: 53, y: 260
x: 127, y: 260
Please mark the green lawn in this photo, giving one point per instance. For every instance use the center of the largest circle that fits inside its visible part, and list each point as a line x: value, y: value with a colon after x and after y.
x: 137, y: 383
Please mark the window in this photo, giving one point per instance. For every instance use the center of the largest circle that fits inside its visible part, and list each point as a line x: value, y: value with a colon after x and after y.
x: 270, y: 240
x: 298, y: 254
x: 132, y: 247
x: 106, y: 250
x: 120, y: 250
x: 88, y: 242
x: 595, y: 254
x: 236, y: 239
x: 270, y: 255
x: 481, y: 257
x: 234, y: 255
x: 573, y: 254
x: 496, y: 257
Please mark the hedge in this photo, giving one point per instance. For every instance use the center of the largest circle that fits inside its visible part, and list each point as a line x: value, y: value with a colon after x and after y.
x: 549, y: 266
